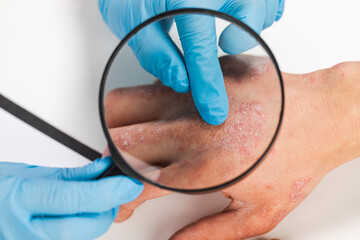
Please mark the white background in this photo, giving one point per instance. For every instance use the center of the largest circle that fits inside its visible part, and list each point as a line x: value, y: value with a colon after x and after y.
x: 52, y: 53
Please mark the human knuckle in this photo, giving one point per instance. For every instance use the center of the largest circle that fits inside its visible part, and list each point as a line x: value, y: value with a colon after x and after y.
x: 347, y: 70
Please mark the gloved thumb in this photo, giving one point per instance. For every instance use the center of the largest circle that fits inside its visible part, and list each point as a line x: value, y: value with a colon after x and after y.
x: 54, y: 197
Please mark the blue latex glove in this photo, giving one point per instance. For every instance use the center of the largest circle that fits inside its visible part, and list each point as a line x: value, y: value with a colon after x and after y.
x: 53, y: 203
x: 199, y: 69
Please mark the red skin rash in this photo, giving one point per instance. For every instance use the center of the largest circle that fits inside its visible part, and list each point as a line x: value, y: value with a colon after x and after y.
x: 296, y: 193
x: 141, y: 92
x: 240, y: 135
x: 244, y: 130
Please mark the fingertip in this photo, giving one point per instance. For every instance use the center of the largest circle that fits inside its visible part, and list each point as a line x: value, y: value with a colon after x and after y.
x: 106, y: 160
x: 88, y: 172
x: 216, y: 115
x: 100, y: 165
x: 214, y: 112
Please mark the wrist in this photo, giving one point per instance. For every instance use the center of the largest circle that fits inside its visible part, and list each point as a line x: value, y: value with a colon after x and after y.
x: 322, y: 113
x: 340, y: 87
x: 347, y: 88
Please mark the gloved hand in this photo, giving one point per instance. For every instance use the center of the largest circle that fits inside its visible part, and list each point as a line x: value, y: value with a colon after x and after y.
x: 54, y: 203
x: 199, y: 70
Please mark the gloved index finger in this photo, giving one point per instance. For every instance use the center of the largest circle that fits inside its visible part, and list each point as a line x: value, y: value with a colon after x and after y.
x: 198, y: 38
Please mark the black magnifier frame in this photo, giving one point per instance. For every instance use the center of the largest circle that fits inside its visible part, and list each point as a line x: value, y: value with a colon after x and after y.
x: 120, y: 165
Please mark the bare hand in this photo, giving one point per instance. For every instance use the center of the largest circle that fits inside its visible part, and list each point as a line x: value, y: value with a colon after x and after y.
x: 320, y: 132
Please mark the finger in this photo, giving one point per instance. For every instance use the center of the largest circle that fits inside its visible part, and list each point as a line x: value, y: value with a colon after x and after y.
x: 17, y: 169
x: 54, y: 197
x: 150, y: 192
x: 199, y: 42
x: 281, y: 9
x: 88, y: 172
x: 183, y: 174
x: 197, y: 171
x: 84, y: 226
x: 106, y: 152
x: 234, y: 39
x: 230, y: 224
x: 160, y: 56
x: 217, y: 226
x: 271, y: 12
x: 125, y: 106
x: 152, y: 143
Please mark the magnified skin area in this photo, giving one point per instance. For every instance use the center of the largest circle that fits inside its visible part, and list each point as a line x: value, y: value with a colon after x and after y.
x: 320, y: 131
x: 186, y: 144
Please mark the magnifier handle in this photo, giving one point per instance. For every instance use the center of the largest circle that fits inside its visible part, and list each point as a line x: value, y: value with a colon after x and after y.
x: 113, y: 170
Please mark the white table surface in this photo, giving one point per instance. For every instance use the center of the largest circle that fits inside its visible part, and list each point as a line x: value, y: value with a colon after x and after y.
x: 52, y: 53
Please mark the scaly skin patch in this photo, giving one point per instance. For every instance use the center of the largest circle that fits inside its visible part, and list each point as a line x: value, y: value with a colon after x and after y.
x: 244, y: 130
x: 296, y: 193
x: 147, y: 92
x: 130, y: 137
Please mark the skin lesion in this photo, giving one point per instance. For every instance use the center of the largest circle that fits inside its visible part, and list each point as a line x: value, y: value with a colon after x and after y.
x: 174, y: 133
x: 202, y: 154
x: 296, y: 193
x: 243, y: 130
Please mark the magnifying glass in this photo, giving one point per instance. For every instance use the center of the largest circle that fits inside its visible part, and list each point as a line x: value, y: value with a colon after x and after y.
x: 156, y: 135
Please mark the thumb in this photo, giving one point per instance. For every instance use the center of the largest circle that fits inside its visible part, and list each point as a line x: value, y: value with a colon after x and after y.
x: 241, y: 223
x: 85, y: 173
x: 234, y: 39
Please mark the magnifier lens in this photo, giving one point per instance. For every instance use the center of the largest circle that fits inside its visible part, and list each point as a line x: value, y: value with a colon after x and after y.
x: 159, y: 133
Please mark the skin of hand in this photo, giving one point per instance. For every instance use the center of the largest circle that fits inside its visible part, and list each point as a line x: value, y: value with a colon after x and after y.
x: 60, y: 203
x: 320, y: 131
x: 199, y: 69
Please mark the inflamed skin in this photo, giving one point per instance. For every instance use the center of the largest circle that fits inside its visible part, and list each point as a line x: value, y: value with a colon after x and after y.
x: 320, y: 131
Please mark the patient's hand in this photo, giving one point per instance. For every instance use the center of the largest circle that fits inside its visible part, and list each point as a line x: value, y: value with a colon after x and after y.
x: 320, y: 131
